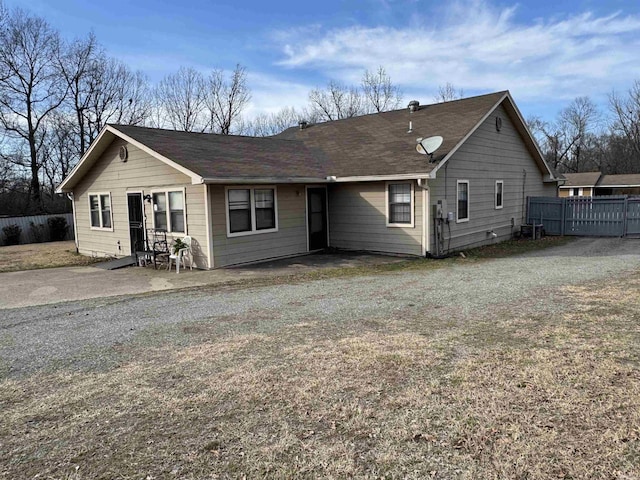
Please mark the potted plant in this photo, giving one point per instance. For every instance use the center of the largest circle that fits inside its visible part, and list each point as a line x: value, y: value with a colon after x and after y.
x: 178, y: 244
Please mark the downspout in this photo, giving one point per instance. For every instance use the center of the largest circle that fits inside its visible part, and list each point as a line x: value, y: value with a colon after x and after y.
x: 422, y: 183
x: 75, y: 224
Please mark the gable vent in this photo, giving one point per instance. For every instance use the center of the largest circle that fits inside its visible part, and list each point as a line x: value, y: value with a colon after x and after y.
x: 123, y: 153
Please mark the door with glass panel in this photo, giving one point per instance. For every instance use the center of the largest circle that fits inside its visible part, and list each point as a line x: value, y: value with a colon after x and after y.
x: 317, y: 217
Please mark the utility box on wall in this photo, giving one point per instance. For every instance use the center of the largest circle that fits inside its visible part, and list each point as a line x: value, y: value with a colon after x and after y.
x: 440, y: 209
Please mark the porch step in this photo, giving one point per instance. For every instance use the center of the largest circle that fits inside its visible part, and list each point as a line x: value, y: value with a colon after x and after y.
x: 117, y: 263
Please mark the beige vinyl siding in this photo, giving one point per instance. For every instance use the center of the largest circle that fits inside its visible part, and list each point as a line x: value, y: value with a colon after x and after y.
x: 140, y: 173
x: 487, y: 156
x: 357, y: 220
x: 290, y: 239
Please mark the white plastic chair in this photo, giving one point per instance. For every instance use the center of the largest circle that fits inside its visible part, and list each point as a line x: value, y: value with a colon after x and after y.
x: 180, y: 256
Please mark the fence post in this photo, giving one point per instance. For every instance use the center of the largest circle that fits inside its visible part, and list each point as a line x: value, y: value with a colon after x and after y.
x: 528, y: 210
x: 562, y: 215
x: 624, y: 216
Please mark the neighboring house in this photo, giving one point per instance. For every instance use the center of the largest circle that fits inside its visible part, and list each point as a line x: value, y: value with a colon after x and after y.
x: 628, y: 184
x: 356, y: 183
x: 579, y: 184
x: 595, y: 183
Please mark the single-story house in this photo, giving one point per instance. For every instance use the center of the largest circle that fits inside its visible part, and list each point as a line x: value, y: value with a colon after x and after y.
x: 357, y: 184
x: 595, y: 183
x: 578, y: 184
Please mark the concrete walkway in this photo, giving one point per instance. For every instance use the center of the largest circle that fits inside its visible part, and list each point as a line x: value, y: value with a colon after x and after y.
x: 53, y: 285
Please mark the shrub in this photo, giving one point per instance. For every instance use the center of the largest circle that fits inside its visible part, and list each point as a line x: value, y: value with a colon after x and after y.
x: 38, y: 232
x: 58, y: 228
x: 12, y: 234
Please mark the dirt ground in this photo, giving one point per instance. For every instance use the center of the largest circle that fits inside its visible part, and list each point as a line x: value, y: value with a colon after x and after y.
x: 15, y: 258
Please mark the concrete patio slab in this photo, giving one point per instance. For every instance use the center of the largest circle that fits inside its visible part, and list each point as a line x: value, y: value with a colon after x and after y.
x: 53, y: 285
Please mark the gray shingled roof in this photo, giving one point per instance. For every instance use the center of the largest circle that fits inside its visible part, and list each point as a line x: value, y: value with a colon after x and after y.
x: 211, y: 156
x: 584, y: 179
x: 627, y: 180
x: 375, y: 144
x: 379, y: 144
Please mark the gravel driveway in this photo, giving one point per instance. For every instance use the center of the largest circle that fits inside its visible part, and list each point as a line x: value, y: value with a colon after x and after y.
x: 85, y: 334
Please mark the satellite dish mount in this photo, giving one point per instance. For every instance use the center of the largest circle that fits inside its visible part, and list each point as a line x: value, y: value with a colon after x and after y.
x: 427, y: 146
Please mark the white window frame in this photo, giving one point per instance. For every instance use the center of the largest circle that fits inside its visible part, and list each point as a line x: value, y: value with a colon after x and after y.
x: 252, y: 202
x: 501, y: 183
x: 458, y: 219
x: 388, y: 206
x: 580, y: 192
x: 99, y: 195
x: 168, y: 210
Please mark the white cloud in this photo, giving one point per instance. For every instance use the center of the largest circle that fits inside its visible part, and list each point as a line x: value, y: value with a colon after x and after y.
x: 478, y: 48
x: 270, y: 94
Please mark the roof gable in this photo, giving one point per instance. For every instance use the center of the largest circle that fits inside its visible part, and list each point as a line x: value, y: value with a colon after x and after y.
x: 207, y: 157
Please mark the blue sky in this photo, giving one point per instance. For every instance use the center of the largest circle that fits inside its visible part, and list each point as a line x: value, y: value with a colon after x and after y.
x: 545, y: 52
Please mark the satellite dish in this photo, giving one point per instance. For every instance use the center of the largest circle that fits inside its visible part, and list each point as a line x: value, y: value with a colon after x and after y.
x: 426, y: 146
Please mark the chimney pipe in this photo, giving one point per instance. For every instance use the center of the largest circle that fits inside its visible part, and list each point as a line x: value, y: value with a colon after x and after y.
x: 413, y: 105
x: 302, y: 124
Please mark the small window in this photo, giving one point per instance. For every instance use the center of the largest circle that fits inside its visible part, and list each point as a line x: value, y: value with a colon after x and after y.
x: 400, y: 204
x: 463, y: 201
x: 265, y: 209
x: 100, y: 210
x: 168, y: 211
x: 499, y: 194
x: 240, y: 210
x: 251, y: 210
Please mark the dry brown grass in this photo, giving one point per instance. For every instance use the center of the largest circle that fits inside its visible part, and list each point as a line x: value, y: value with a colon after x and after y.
x: 519, y: 396
x: 41, y: 255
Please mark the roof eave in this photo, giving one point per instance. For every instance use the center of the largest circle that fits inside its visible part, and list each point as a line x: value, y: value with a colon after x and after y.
x: 262, y: 180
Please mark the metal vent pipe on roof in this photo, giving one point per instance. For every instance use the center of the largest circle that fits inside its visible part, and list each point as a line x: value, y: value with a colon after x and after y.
x: 302, y: 124
x: 414, y: 105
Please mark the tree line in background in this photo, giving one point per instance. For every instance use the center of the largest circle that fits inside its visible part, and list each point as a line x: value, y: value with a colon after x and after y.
x: 57, y: 95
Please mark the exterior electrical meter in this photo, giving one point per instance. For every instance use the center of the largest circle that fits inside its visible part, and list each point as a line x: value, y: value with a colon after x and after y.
x: 441, y: 209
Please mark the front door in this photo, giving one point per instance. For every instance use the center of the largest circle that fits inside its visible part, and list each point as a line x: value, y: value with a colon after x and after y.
x: 136, y: 222
x: 317, y: 217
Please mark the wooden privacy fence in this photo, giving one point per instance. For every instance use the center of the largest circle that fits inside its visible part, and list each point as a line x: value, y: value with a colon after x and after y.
x: 31, y: 234
x: 606, y: 216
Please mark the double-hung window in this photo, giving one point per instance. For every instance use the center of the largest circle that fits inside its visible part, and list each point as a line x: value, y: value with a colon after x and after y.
x: 499, y: 193
x: 400, y: 204
x: 462, y: 212
x: 100, y: 211
x: 251, y: 210
x: 168, y: 211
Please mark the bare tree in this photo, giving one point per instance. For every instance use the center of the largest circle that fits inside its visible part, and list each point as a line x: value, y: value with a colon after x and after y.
x: 552, y: 141
x: 578, y: 121
x: 336, y: 101
x: 268, y: 124
x: 447, y: 93
x: 31, y: 86
x: 226, y: 99
x: 60, y: 149
x: 181, y: 99
x: 565, y: 141
x: 379, y: 92
x: 116, y: 95
x: 626, y: 116
x: 76, y: 61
